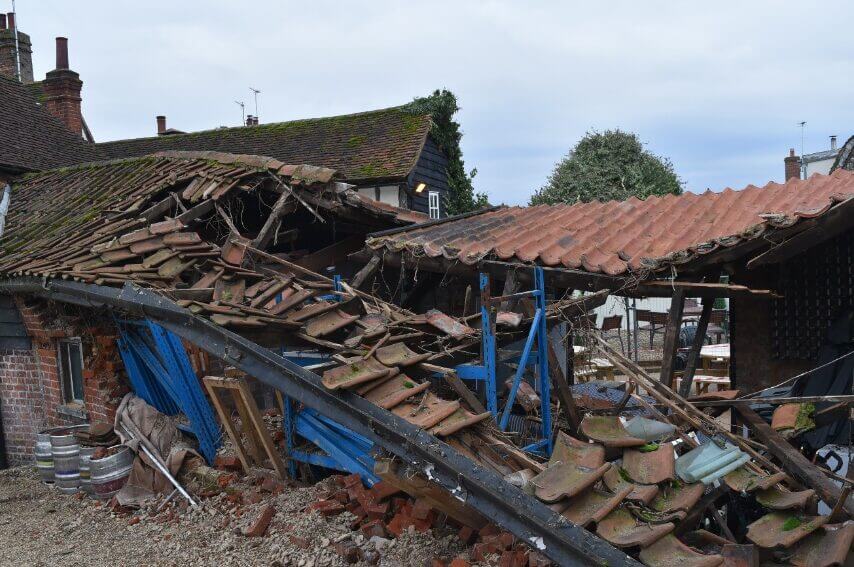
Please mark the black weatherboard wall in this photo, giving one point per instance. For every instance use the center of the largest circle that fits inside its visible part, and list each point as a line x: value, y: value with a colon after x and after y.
x: 432, y: 169
x: 13, y: 334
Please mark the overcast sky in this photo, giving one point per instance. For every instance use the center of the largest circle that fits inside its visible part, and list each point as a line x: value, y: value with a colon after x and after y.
x: 718, y: 87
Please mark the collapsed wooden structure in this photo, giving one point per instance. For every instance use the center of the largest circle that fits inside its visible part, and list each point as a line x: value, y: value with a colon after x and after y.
x: 224, y: 251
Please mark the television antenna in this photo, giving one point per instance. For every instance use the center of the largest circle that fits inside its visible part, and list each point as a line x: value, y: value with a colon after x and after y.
x: 255, y: 93
x: 242, y: 111
x: 803, y: 125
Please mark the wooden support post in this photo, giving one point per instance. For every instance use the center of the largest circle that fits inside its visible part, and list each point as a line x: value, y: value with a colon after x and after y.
x: 253, y: 426
x: 468, y: 301
x: 671, y: 337
x: 793, y: 461
x: 366, y: 273
x: 271, y: 225
x: 694, y: 355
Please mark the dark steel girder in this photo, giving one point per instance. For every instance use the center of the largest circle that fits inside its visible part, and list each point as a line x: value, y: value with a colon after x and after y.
x: 484, y: 490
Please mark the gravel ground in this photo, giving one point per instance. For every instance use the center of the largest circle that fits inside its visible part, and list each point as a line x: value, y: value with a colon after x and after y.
x: 40, y: 526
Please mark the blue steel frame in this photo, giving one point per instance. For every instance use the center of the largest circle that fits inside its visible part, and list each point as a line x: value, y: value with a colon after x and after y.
x: 161, y: 374
x: 487, y: 371
x: 344, y: 449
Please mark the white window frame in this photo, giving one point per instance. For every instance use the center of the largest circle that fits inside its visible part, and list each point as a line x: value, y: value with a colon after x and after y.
x: 433, y: 207
x: 64, y: 363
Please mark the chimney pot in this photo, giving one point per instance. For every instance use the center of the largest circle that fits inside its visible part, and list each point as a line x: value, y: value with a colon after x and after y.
x: 10, y: 17
x: 833, y: 142
x: 62, y: 53
x: 2, y: 21
x: 161, y: 124
x: 249, y: 121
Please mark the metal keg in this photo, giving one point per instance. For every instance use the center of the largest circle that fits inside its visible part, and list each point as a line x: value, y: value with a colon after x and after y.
x: 66, y: 460
x: 109, y: 474
x: 44, y: 456
x: 85, y: 479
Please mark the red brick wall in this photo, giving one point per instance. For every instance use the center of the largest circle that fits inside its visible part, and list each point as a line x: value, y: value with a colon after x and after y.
x: 30, y: 388
x: 21, y: 402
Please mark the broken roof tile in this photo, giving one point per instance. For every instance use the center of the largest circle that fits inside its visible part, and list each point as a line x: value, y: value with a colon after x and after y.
x: 458, y: 420
x: 561, y: 480
x: 393, y: 391
x: 592, y: 505
x: 782, y: 529
x: 567, y: 449
x: 650, y: 467
x: 775, y: 499
x: 624, y: 530
x: 745, y: 480
x: 681, y: 497
x: 398, y: 354
x: 608, y: 430
x: 615, y: 482
x: 328, y: 323
x: 830, y: 545
x: 670, y: 552
x: 427, y: 412
x: 356, y: 371
x: 448, y: 325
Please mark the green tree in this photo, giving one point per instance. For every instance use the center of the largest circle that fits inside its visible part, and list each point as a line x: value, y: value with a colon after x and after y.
x: 611, y: 165
x: 442, y: 106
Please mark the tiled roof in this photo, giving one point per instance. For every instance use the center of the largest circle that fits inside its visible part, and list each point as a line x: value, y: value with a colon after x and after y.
x: 622, y: 236
x: 55, y: 210
x: 32, y: 138
x: 377, y: 145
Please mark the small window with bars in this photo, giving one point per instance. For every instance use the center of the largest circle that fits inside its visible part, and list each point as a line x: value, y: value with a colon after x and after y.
x: 71, y: 370
x: 433, y: 204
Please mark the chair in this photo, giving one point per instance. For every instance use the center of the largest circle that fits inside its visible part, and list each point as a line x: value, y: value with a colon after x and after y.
x: 657, y: 324
x: 611, y: 323
x: 716, y: 324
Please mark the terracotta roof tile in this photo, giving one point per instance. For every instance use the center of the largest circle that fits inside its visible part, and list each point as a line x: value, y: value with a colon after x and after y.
x: 620, y: 236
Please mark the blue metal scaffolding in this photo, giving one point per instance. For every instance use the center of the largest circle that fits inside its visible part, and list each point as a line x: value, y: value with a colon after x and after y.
x: 486, y: 372
x: 340, y: 448
x: 161, y: 374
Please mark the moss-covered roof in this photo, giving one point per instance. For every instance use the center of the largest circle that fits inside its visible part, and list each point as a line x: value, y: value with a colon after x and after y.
x: 379, y: 145
x: 33, y: 139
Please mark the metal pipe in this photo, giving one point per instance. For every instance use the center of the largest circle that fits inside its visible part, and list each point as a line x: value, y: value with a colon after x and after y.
x: 165, y: 471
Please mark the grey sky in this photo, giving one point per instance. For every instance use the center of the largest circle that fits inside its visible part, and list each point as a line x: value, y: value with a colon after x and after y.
x: 717, y: 87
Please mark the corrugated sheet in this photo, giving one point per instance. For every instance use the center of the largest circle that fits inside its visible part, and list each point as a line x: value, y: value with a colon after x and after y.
x: 620, y: 236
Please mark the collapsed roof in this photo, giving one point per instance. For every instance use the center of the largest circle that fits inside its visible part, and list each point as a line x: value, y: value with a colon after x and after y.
x: 621, y: 237
x: 380, y: 145
x: 168, y: 223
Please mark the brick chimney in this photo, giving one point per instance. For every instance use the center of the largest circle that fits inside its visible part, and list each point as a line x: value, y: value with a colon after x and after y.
x: 793, y: 165
x: 62, y: 90
x: 161, y: 125
x: 12, y: 54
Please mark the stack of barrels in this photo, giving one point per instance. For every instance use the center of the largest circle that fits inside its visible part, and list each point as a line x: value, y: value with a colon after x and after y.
x: 63, y: 462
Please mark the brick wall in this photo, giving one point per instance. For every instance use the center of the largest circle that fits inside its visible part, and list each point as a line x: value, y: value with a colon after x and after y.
x: 21, y: 402
x: 30, y: 387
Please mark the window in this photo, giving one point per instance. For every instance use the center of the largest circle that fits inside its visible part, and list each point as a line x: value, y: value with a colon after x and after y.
x: 433, y: 203
x: 71, y: 370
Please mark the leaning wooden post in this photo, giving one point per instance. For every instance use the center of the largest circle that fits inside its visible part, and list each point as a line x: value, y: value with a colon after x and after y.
x: 671, y: 337
x: 694, y: 355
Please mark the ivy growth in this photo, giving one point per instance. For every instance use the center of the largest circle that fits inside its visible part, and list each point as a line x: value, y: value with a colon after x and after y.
x: 442, y: 106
